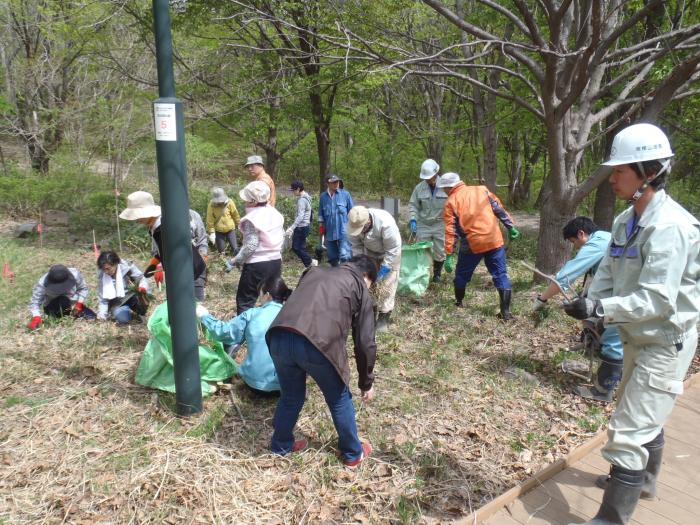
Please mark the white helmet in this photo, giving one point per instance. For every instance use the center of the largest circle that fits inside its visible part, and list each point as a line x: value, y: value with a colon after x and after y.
x: 429, y: 169
x: 639, y: 143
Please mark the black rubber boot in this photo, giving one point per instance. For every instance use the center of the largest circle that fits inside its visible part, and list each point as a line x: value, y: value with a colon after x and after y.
x: 382, y: 322
x: 437, y: 271
x: 651, y: 473
x: 607, y: 379
x: 504, y: 296
x: 459, y: 296
x: 620, y: 498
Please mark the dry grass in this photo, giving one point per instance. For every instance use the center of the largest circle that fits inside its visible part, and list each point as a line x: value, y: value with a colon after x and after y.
x: 80, y: 443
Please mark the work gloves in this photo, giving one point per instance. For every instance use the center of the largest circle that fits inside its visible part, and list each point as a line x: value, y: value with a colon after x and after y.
x: 79, y: 307
x: 583, y: 308
x: 289, y: 232
x: 321, y: 229
x: 34, y: 323
x: 539, y: 304
x: 383, y: 272
x: 513, y: 233
x: 450, y: 263
x: 159, y: 276
x: 200, y: 311
x: 212, y: 238
x: 152, y: 265
x: 141, y: 289
x: 413, y: 225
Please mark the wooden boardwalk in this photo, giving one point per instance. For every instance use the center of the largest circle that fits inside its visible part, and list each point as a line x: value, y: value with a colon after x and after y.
x: 572, y: 497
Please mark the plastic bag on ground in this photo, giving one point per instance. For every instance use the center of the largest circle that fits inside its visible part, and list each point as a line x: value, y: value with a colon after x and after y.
x: 156, y: 367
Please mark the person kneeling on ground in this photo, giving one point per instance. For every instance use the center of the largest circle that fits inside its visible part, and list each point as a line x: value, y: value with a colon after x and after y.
x: 308, y: 338
x: 592, y: 244
x: 257, y: 370
x: 115, y: 300
x: 60, y: 292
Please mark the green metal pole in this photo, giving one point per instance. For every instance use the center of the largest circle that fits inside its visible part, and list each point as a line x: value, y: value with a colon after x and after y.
x: 175, y: 220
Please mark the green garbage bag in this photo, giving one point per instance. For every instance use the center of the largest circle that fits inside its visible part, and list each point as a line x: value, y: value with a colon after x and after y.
x: 156, y: 367
x: 416, y: 260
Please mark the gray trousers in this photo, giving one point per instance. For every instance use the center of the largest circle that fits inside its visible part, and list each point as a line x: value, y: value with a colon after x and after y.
x: 223, y: 238
x: 652, y: 379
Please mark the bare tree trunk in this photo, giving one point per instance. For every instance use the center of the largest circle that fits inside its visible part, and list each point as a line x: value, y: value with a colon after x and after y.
x: 604, y: 207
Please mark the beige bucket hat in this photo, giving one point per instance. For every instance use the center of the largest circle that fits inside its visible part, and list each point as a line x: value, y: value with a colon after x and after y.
x: 256, y: 191
x: 357, y: 218
x: 254, y: 159
x: 140, y: 205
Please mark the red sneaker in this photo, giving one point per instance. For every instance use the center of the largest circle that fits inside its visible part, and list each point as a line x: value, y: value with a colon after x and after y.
x: 366, y: 451
x: 299, y: 445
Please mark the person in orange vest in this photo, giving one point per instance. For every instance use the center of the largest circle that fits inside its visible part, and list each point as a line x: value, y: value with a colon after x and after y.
x: 256, y: 170
x: 472, y: 214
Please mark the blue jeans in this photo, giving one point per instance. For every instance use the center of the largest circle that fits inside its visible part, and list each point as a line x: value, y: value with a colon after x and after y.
x: 295, y: 357
x: 495, y: 263
x: 122, y: 314
x: 338, y: 251
x: 299, y: 244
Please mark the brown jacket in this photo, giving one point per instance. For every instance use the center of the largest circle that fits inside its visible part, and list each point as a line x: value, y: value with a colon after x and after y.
x: 326, y: 304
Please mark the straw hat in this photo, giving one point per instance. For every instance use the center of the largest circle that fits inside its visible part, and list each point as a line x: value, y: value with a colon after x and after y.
x: 140, y: 205
x: 256, y: 191
x: 357, y: 219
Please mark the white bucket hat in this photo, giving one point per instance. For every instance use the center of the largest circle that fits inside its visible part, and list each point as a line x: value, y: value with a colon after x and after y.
x: 256, y: 191
x: 448, y: 180
x: 254, y: 159
x: 357, y: 218
x: 140, y: 205
x: 218, y: 196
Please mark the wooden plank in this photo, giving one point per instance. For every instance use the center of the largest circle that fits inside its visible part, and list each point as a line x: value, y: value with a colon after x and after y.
x: 502, y: 518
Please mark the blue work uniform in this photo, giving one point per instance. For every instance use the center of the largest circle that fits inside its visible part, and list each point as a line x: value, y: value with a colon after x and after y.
x: 257, y: 370
x: 333, y: 214
x: 587, y: 259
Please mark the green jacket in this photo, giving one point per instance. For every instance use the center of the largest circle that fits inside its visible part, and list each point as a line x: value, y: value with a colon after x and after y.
x: 649, y: 280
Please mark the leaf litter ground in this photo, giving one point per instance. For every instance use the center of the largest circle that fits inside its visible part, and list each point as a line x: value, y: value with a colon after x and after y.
x: 81, y: 443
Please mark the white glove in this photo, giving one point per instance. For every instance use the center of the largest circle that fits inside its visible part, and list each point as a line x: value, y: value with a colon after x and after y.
x: 212, y: 238
x: 539, y: 304
x: 289, y: 232
x: 200, y: 311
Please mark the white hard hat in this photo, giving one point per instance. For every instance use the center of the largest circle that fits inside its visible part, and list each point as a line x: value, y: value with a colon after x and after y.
x: 448, y: 180
x: 429, y: 169
x: 256, y: 191
x: 140, y: 205
x: 639, y: 143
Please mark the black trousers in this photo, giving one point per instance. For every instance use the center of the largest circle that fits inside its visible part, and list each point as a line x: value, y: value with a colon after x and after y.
x: 62, y: 306
x: 252, y: 276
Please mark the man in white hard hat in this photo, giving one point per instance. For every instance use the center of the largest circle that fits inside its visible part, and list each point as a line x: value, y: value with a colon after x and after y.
x: 373, y: 232
x: 648, y: 285
x: 425, y: 209
x: 256, y: 170
x: 140, y: 207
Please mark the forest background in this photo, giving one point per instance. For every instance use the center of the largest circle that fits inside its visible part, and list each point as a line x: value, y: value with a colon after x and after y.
x: 523, y: 97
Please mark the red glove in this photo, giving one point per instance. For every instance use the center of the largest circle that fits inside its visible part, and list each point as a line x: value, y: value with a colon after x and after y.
x: 34, y: 323
x: 79, y: 307
x: 142, y: 290
x: 159, y: 276
x: 321, y: 229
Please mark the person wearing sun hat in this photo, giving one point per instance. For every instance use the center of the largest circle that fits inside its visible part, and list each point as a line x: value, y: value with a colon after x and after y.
x: 141, y: 208
x: 333, y: 207
x: 222, y: 220
x: 373, y: 232
x: 256, y: 169
x: 260, y: 256
x: 59, y: 292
